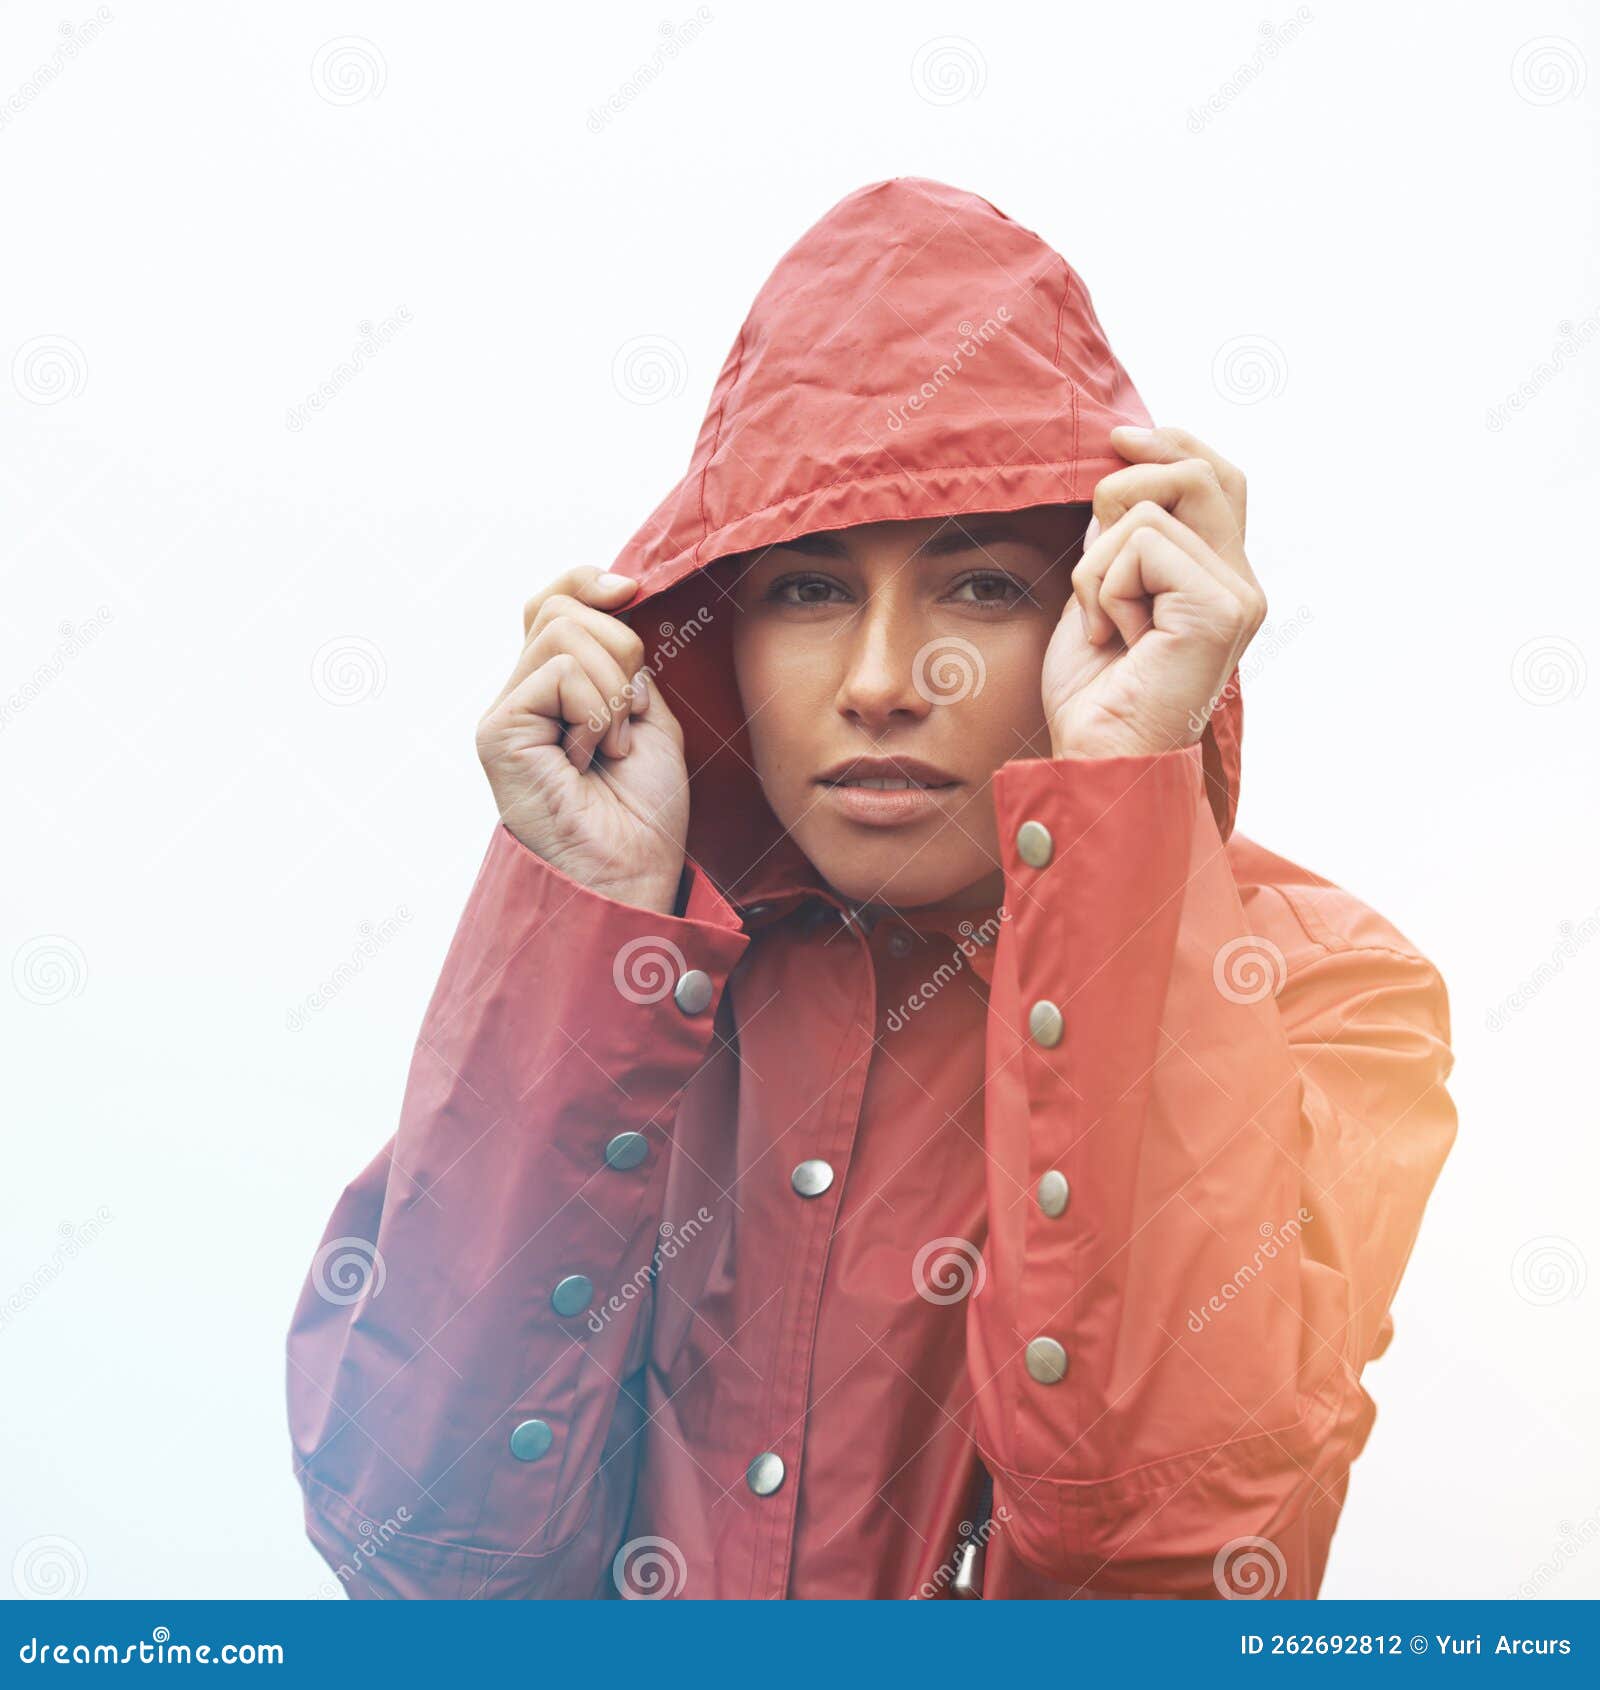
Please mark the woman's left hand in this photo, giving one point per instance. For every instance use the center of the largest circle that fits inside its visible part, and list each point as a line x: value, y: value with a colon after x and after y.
x: 1164, y: 603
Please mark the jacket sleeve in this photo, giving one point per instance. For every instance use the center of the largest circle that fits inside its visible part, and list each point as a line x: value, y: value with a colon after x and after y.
x: 1249, y: 1123
x: 455, y: 1435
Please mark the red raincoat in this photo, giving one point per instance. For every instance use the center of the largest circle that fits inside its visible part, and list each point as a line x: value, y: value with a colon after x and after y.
x: 729, y: 1253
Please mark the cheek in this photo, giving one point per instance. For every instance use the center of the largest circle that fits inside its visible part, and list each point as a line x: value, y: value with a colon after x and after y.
x: 778, y: 692
x: 1007, y: 716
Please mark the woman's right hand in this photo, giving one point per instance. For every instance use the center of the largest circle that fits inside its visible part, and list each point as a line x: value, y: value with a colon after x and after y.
x: 583, y: 756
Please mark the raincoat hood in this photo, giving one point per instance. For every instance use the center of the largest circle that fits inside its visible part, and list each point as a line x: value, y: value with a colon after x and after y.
x: 915, y: 354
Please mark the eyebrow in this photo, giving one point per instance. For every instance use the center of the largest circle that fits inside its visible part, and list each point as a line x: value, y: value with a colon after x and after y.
x: 957, y: 534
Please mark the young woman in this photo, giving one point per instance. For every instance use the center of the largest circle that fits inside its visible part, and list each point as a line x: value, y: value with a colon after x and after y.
x: 880, y: 1132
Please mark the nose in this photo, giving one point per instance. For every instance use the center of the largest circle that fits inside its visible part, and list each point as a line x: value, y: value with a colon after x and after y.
x: 879, y: 686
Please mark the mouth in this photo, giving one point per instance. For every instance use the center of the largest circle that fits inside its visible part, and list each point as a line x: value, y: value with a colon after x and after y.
x: 887, y: 791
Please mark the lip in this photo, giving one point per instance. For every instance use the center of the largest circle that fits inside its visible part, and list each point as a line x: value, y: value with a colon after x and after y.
x: 887, y: 807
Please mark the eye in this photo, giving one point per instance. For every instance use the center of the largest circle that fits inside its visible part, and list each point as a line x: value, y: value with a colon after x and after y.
x: 989, y: 589
x: 806, y: 590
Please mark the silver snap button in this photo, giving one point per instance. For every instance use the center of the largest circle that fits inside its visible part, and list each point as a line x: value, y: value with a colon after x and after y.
x: 1053, y: 1193
x: 573, y: 1294
x: 899, y: 944
x: 692, y: 994
x: 1047, y: 1361
x: 765, y: 1473
x: 532, y: 1439
x: 812, y: 1177
x: 1045, y: 1024
x: 627, y: 1150
x: 1034, y: 844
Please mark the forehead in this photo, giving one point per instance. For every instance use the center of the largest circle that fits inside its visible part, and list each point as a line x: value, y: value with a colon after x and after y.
x: 1051, y: 530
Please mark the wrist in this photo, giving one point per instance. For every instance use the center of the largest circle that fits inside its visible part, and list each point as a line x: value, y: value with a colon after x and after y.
x: 656, y: 893
x: 1119, y: 739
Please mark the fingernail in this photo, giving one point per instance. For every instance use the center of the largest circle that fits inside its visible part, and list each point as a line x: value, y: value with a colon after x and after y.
x: 624, y: 734
x: 1091, y: 533
x: 615, y: 583
x: 1135, y: 429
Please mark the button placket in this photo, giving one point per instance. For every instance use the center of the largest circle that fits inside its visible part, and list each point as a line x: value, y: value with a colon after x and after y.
x: 833, y: 1133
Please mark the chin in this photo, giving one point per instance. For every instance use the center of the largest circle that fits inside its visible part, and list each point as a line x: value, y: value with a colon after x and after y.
x: 890, y: 869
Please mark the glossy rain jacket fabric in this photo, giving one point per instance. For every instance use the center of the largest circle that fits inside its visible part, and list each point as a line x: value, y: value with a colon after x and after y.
x: 809, y: 1221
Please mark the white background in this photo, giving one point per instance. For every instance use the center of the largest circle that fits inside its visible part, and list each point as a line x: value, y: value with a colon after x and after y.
x: 240, y: 663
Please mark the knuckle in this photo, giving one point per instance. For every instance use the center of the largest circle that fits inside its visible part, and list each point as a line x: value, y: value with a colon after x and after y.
x: 1200, y: 472
x: 554, y: 608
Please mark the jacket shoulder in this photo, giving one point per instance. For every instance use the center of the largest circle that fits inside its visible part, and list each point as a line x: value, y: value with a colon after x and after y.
x: 1302, y: 912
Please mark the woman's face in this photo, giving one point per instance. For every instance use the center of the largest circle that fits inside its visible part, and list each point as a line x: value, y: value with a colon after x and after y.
x: 886, y: 671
